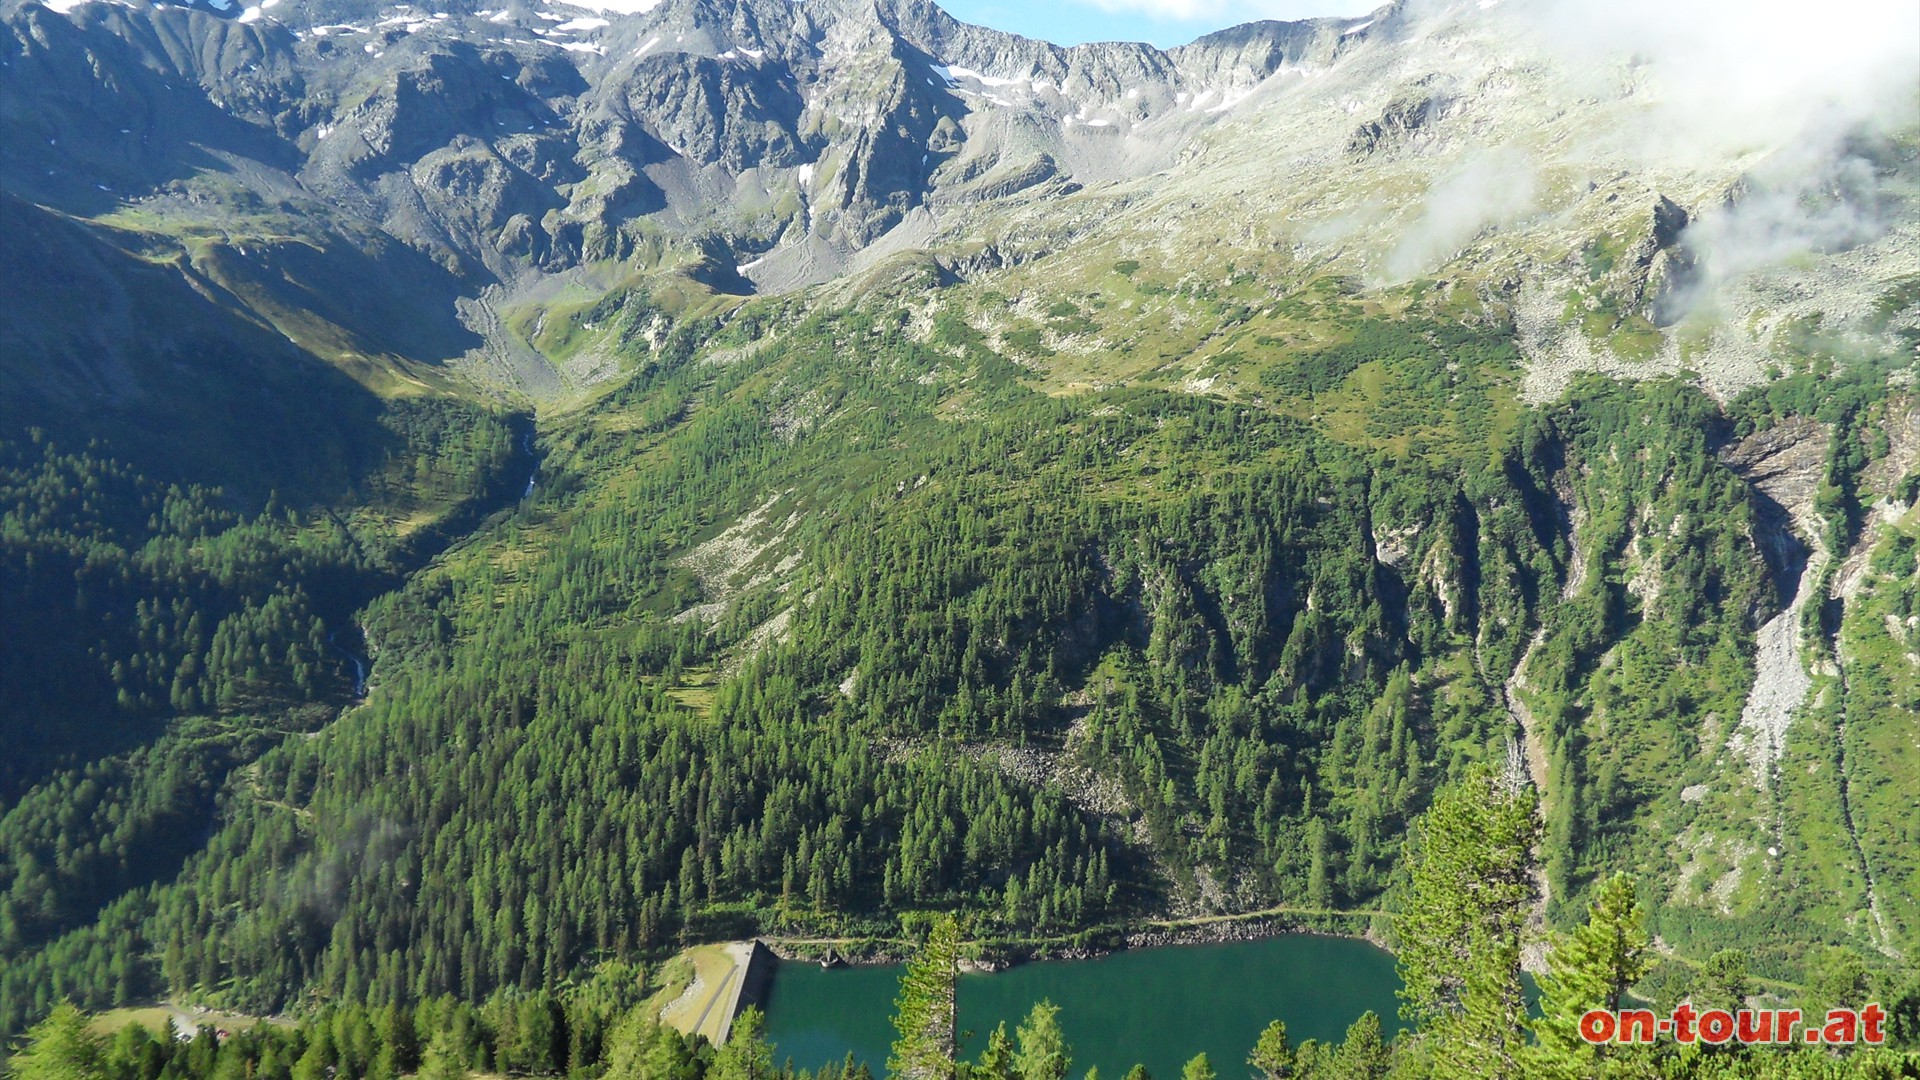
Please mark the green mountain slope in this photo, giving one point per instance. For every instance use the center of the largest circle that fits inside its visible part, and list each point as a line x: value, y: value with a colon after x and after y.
x: 821, y: 617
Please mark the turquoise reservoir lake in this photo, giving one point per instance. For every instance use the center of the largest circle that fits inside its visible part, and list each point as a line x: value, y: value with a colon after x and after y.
x: 1156, y: 1007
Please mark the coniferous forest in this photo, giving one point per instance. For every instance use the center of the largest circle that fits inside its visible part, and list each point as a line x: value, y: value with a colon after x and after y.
x: 862, y: 625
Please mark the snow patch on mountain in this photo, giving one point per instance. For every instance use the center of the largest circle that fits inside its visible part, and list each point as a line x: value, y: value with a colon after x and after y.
x: 614, y: 7
x: 954, y: 74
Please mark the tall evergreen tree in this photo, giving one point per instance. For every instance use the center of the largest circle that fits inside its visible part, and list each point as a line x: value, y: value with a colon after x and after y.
x: 1721, y: 982
x: 1471, y: 889
x: 1903, y: 1016
x: 1044, y: 1053
x: 745, y: 1055
x: 1364, y: 1055
x: 61, y: 1047
x: 996, y: 1060
x: 1836, y: 979
x: 1272, y: 1054
x: 1592, y: 968
x: 925, y: 1013
x: 442, y: 1059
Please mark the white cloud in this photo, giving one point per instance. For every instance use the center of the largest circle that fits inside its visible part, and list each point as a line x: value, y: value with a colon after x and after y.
x: 1732, y: 74
x: 1494, y: 188
x: 1797, y: 99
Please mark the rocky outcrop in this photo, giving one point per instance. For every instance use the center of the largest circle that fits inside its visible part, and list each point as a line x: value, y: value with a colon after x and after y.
x: 735, y: 115
x: 1245, y: 55
x: 1785, y: 464
x: 1408, y: 120
x: 1665, y: 270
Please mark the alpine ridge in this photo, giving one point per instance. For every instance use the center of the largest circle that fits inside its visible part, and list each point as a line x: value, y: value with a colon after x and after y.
x: 534, y: 149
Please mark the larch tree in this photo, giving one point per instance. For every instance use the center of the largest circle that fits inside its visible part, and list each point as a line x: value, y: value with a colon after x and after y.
x: 61, y: 1047
x: 924, y: 1019
x: 442, y: 1059
x: 1044, y: 1053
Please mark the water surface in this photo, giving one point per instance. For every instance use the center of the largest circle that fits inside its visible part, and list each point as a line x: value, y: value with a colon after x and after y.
x: 1155, y: 1007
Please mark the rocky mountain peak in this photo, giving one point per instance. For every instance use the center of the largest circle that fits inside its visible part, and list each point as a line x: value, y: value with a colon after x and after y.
x: 513, y: 142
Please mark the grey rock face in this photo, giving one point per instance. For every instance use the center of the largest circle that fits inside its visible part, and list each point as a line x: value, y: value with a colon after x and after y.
x: 1407, y: 120
x: 525, y: 138
x: 1666, y: 267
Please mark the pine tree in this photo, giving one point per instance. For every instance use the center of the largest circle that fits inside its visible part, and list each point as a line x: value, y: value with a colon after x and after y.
x: 1198, y: 1069
x: 442, y: 1060
x: 1836, y: 979
x: 746, y: 1055
x: 1903, y: 1016
x: 996, y: 1060
x: 1721, y: 982
x: 1460, y: 929
x: 1313, y: 1060
x: 1272, y: 1053
x: 403, y: 1042
x: 319, y: 1058
x: 273, y: 1065
x: 1364, y: 1054
x: 232, y: 1064
x: 1593, y: 968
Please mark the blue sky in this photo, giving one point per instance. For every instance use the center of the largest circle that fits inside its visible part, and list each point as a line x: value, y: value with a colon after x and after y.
x: 1162, y: 22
